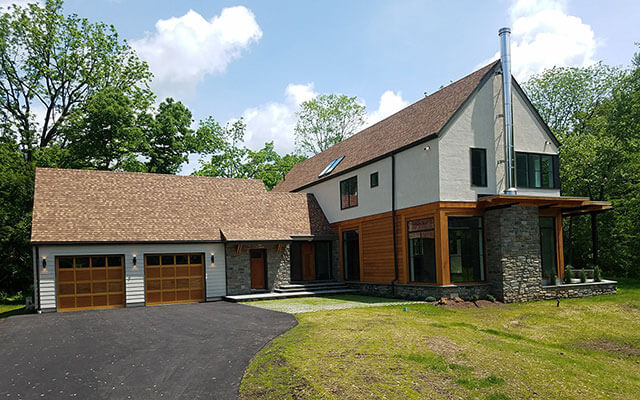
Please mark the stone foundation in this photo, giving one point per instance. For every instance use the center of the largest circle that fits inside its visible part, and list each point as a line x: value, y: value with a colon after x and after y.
x: 576, y: 290
x: 239, y: 266
x: 420, y: 292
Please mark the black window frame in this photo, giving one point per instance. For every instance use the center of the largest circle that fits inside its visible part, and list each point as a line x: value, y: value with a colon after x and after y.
x: 349, y: 184
x: 482, y: 178
x: 524, y: 172
x: 374, y: 177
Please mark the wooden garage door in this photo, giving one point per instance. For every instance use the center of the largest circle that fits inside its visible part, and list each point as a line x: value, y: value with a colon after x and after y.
x: 174, y: 278
x: 86, y: 282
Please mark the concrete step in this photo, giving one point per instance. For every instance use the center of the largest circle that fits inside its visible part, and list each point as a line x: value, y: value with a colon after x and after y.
x: 287, y: 295
x: 312, y: 285
x: 310, y: 289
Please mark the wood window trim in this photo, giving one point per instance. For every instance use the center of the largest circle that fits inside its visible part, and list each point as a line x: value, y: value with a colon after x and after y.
x: 483, y: 152
x: 350, y: 196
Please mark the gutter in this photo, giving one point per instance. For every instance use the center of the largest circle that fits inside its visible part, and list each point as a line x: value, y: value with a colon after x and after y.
x: 393, y: 219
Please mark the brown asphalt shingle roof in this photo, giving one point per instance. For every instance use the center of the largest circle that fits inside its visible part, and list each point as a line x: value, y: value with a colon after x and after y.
x: 409, y: 125
x: 83, y: 206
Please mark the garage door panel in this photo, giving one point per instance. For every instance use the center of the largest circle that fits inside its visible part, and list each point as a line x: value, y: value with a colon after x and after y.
x: 178, y: 279
x: 86, y: 282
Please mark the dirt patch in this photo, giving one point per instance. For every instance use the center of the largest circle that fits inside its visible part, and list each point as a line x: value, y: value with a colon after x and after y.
x: 470, y: 304
x: 610, y: 346
x: 442, y: 345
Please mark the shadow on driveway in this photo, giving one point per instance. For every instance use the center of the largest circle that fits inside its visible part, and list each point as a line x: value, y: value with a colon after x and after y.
x: 189, y: 351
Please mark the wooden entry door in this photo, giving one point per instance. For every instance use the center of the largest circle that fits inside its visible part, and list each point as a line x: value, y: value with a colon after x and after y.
x: 258, y: 269
x: 308, y: 262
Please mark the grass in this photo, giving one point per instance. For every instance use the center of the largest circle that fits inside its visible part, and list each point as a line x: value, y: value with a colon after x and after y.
x: 586, y: 348
x: 7, y: 310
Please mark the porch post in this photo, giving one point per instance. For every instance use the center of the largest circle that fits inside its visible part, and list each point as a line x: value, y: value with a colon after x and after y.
x: 594, y: 238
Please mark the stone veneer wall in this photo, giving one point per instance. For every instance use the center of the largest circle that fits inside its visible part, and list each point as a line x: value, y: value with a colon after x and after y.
x: 420, y: 292
x: 573, y: 290
x: 513, y: 253
x: 239, y: 266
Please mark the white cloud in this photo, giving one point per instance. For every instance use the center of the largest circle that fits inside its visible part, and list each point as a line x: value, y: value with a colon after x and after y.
x: 6, y: 4
x: 183, y: 50
x: 545, y: 35
x: 390, y: 103
x: 275, y: 121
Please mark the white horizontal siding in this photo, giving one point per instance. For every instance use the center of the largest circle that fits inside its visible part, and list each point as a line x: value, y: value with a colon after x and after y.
x: 215, y: 278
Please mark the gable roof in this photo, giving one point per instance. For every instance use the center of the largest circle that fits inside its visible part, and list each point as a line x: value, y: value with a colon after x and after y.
x: 418, y: 122
x: 85, y: 206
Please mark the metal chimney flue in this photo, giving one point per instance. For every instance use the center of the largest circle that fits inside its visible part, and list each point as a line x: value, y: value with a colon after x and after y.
x: 509, y: 152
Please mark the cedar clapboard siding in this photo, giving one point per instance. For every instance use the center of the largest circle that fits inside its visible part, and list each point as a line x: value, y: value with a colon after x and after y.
x: 376, y: 240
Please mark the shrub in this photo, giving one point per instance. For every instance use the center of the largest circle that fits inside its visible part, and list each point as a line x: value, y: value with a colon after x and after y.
x: 568, y: 274
x: 430, y: 299
x: 475, y: 298
x: 491, y: 298
x: 597, y: 274
x: 552, y: 278
x: 583, y: 276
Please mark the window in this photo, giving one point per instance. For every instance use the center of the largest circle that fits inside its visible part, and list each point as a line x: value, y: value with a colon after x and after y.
x: 351, y: 255
x: 466, y: 250
x: 322, y: 260
x: 422, y: 250
x: 349, y: 193
x: 548, y: 246
x: 537, y: 171
x: 329, y: 168
x: 479, y: 167
x: 373, y: 180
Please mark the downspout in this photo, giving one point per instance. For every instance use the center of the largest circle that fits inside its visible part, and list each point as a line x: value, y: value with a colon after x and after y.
x: 393, y: 219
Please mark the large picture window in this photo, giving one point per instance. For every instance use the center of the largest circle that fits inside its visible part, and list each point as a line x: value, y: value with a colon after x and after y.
x: 422, y: 250
x: 548, y: 246
x: 537, y: 171
x: 479, y: 167
x: 466, y: 250
x: 349, y: 193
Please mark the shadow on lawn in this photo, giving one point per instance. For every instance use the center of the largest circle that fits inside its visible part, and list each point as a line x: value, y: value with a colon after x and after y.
x: 15, y: 311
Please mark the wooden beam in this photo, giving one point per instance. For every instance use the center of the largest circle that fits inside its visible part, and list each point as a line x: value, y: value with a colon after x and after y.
x: 501, y: 206
x: 547, y: 206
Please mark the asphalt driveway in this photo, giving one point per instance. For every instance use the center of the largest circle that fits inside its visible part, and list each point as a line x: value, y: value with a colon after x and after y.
x: 189, y: 351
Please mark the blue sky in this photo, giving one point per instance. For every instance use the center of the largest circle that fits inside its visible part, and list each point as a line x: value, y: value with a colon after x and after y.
x: 260, y: 59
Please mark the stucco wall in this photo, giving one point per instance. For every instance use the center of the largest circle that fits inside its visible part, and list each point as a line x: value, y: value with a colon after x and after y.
x: 417, y: 175
x: 134, y: 278
x: 370, y: 200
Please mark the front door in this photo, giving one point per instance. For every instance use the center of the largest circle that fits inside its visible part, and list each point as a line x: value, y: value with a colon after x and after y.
x: 257, y: 269
x: 308, y: 262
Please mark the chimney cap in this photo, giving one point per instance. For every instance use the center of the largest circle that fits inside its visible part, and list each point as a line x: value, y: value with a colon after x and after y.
x: 504, y: 30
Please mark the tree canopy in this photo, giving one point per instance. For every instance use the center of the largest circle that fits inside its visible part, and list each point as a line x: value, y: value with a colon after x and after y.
x: 326, y: 120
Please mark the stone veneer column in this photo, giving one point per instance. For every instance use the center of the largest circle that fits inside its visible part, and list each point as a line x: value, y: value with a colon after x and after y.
x: 513, y: 253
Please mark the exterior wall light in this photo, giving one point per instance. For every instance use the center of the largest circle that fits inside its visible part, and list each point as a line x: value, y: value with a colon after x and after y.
x: 135, y: 262
x: 44, y: 263
x: 212, y: 259
x: 427, y: 148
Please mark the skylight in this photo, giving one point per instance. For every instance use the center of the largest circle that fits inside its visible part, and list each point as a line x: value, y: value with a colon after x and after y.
x: 332, y: 165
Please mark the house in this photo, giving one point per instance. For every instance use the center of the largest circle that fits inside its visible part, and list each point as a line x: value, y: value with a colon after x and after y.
x: 456, y: 195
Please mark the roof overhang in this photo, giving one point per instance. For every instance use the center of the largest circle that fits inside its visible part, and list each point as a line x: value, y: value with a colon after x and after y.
x: 567, y: 205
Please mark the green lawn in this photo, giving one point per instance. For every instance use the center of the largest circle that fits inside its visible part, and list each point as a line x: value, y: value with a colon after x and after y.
x: 318, y: 303
x: 7, y: 310
x: 586, y: 348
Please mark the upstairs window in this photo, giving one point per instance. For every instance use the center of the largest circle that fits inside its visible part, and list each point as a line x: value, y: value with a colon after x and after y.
x: 373, y: 180
x: 349, y: 193
x: 479, y: 167
x: 329, y: 168
x: 537, y: 171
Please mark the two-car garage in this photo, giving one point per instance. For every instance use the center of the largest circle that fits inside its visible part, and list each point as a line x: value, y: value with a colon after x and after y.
x: 84, y: 277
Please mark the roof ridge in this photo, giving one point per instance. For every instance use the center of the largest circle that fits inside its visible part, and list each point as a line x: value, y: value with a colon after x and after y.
x: 99, y: 171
